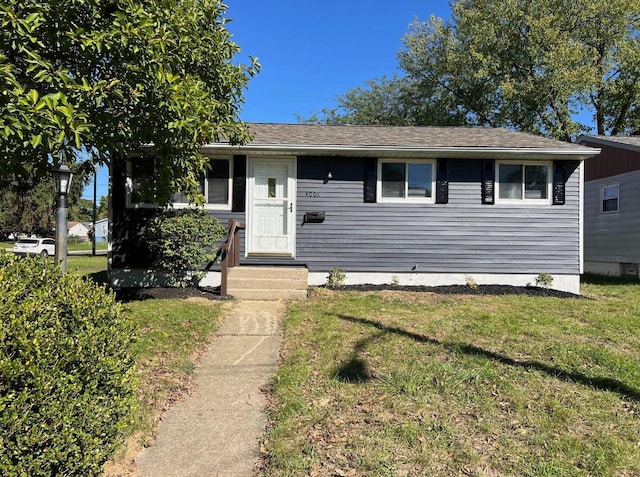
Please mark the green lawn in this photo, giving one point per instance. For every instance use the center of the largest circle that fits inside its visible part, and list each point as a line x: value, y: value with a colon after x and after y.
x: 95, y: 267
x: 86, y: 246
x: 400, y: 383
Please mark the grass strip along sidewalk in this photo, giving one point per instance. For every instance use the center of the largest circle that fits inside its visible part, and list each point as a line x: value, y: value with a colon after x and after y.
x: 170, y: 335
x: 403, y: 383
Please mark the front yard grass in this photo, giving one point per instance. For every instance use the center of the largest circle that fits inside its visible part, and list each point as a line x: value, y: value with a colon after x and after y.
x: 402, y: 383
x: 171, y: 334
x: 88, y: 265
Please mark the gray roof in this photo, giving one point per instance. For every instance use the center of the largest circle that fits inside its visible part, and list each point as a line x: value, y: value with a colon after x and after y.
x: 404, y: 141
x: 631, y: 143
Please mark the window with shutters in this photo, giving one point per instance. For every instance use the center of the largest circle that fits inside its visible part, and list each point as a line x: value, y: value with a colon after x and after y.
x: 523, y: 182
x: 215, y: 184
x: 406, y: 180
x: 610, y: 197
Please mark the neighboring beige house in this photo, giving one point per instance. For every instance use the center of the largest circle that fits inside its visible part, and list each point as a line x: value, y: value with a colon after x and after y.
x: 79, y: 229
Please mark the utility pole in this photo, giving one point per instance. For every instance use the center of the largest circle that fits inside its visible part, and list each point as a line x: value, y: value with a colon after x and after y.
x: 93, y: 235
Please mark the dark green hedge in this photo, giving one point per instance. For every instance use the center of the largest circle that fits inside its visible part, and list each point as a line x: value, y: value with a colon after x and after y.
x: 67, y: 390
x: 181, y: 242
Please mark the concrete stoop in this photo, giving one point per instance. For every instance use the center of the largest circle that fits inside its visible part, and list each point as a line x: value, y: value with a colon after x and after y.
x: 268, y: 283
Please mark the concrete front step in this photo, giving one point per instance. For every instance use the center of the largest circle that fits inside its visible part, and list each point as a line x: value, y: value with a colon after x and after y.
x: 271, y: 283
x: 267, y: 295
x: 291, y: 273
x: 268, y: 283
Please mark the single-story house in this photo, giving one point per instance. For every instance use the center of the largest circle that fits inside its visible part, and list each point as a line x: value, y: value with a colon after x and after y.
x: 612, y: 206
x: 79, y: 230
x: 382, y: 204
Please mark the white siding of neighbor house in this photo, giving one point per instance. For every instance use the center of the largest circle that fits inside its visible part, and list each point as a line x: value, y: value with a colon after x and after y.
x: 78, y: 230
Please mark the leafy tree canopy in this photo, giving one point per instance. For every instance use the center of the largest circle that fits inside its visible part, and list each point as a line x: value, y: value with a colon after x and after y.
x: 27, y: 206
x: 397, y: 101
x: 532, y: 65
x: 109, y: 76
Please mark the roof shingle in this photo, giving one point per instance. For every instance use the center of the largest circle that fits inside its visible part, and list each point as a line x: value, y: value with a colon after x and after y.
x: 399, y: 136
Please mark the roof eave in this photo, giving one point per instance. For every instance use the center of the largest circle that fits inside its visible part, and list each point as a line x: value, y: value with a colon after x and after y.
x: 606, y: 141
x: 427, y: 152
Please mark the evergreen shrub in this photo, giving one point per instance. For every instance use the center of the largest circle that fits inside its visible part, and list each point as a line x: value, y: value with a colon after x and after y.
x: 67, y: 387
x: 181, y: 242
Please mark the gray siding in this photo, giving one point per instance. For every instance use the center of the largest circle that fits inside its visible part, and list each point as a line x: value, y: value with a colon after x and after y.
x: 463, y: 236
x: 613, y: 236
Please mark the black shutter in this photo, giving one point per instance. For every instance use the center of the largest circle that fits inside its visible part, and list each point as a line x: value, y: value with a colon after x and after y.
x: 559, y: 179
x: 442, y: 182
x: 370, y: 180
x: 239, y: 183
x: 488, y: 181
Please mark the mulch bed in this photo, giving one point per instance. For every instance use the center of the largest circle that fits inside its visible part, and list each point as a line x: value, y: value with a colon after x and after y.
x: 494, y: 290
x: 137, y: 294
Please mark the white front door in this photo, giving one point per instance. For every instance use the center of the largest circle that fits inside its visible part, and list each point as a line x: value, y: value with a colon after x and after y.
x: 271, y: 227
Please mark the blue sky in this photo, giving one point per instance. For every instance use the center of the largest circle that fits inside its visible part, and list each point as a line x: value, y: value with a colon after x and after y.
x: 312, y: 51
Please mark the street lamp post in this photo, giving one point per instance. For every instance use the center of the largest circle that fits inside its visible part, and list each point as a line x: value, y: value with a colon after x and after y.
x: 63, y: 177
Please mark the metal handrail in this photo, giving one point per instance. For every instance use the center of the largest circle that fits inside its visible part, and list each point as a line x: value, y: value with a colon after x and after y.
x: 230, y: 254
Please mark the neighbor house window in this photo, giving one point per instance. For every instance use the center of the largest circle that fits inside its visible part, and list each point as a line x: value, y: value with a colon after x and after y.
x: 401, y: 180
x: 610, y: 194
x: 523, y: 181
x: 215, y: 185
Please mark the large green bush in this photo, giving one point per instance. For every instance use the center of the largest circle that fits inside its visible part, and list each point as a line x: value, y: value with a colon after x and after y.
x: 181, y: 241
x: 67, y: 390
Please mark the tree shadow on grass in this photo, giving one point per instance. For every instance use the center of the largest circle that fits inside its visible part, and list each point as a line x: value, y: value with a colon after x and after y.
x: 355, y: 369
x: 101, y: 277
x: 601, y: 383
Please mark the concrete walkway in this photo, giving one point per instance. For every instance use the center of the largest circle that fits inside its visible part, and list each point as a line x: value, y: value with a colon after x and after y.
x: 216, y: 431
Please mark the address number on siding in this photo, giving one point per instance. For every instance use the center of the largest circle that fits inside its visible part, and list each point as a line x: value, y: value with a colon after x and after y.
x: 312, y: 195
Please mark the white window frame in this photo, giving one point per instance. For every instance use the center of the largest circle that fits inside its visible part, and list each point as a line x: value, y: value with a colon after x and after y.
x: 602, y: 199
x: 523, y: 200
x: 406, y: 198
x: 181, y: 205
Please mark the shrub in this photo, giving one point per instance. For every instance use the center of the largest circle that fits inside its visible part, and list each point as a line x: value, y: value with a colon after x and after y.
x: 67, y: 390
x: 470, y: 282
x: 336, y: 277
x: 544, y: 280
x: 182, y: 241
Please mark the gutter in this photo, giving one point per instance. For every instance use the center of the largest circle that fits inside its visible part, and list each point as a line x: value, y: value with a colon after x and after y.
x: 431, y: 152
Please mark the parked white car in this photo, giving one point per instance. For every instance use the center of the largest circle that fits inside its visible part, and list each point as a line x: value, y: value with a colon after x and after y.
x: 35, y: 246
